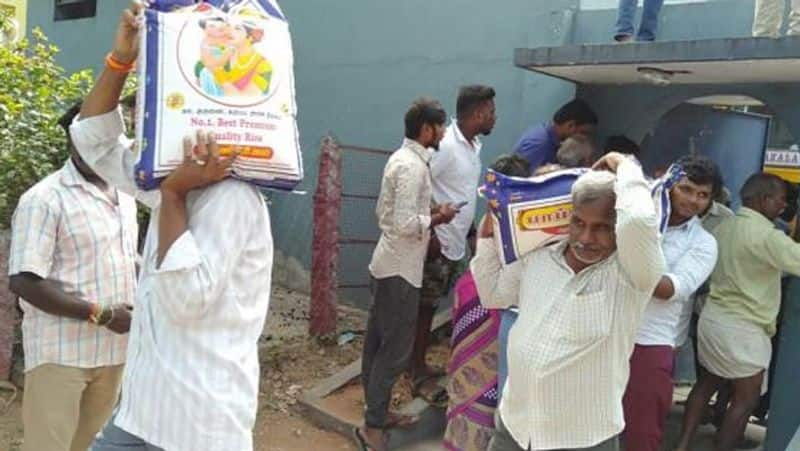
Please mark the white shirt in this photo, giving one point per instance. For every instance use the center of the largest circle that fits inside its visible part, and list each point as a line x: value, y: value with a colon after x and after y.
x: 690, y: 253
x: 68, y: 231
x: 568, y: 351
x: 191, y: 380
x: 455, y: 174
x: 404, y: 215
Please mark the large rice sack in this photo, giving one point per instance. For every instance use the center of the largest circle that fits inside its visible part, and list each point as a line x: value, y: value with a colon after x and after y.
x: 529, y: 213
x: 225, y: 66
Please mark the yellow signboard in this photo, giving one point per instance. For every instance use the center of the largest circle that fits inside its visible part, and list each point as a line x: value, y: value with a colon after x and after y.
x: 19, y: 12
x: 783, y: 163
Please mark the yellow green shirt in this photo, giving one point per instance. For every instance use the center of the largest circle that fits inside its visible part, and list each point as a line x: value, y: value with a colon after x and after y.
x: 746, y: 282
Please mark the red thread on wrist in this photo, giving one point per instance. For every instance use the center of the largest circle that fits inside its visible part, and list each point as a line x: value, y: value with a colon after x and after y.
x: 118, y: 66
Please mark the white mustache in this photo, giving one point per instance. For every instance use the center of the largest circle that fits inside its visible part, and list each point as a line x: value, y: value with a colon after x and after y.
x: 578, y: 247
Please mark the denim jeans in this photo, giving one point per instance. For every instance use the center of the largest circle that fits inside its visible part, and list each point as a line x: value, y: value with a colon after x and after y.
x: 114, y: 438
x: 507, y: 319
x: 649, y: 25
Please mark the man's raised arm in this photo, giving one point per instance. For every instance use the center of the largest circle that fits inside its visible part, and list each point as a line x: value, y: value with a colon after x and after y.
x: 638, y: 236
x: 98, y: 132
x: 104, y: 96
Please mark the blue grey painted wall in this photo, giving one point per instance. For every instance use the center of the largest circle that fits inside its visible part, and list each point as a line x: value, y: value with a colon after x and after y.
x: 83, y: 42
x: 357, y: 73
x: 358, y: 67
x: 373, y: 67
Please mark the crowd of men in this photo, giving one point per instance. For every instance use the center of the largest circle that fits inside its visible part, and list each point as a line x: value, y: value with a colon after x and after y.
x: 590, y: 326
x: 589, y: 329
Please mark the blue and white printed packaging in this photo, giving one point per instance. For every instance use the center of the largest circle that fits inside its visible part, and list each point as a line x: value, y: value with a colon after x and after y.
x: 226, y: 67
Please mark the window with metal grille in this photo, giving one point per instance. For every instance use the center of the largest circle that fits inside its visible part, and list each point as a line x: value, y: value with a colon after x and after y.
x: 74, y: 9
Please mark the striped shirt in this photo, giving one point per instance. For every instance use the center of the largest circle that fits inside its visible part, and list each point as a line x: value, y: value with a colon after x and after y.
x: 568, y: 351
x: 191, y: 381
x: 404, y: 215
x: 66, y: 230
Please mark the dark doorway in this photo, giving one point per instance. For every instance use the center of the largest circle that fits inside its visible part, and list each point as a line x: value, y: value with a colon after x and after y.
x: 735, y: 140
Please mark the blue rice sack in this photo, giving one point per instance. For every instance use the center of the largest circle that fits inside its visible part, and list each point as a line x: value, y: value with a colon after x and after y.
x: 227, y: 67
x: 169, y: 5
x: 529, y: 213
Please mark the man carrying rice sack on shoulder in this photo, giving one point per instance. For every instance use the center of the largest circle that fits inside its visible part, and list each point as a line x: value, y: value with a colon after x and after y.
x: 581, y: 301
x: 191, y: 382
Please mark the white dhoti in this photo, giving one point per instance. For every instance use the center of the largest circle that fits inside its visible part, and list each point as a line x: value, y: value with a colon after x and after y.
x: 730, y: 347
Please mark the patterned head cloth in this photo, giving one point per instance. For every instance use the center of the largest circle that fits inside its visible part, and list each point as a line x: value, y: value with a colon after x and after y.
x: 660, y: 191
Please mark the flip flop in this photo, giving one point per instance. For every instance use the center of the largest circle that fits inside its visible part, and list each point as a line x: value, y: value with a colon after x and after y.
x: 5, y: 404
x: 419, y: 381
x: 437, y: 397
x: 361, y: 442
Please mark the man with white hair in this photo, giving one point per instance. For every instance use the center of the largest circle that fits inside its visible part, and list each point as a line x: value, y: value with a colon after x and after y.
x: 581, y: 302
x: 575, y: 152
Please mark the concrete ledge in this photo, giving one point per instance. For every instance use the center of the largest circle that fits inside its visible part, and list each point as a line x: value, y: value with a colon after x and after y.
x: 702, y: 50
x: 708, y: 61
x: 316, y: 406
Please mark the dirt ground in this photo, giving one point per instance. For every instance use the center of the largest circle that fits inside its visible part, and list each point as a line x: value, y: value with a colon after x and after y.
x: 290, y: 363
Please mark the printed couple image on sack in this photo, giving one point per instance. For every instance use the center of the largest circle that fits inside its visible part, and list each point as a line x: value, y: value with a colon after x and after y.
x: 230, y: 65
x: 226, y: 67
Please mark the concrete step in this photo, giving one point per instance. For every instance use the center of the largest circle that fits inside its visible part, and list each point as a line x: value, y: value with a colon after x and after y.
x: 336, y: 404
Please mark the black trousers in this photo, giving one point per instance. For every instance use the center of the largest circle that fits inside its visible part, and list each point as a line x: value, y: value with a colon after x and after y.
x: 391, y: 329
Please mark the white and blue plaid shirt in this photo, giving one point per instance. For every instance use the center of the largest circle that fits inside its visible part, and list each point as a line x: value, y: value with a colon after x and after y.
x: 191, y: 380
